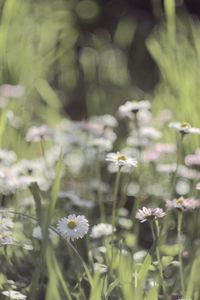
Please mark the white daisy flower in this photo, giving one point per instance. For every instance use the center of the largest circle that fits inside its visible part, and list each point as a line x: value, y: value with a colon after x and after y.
x: 184, y: 128
x: 121, y: 160
x: 133, y: 107
x: 100, y: 230
x: 36, y: 134
x: 73, y: 227
x: 150, y: 133
x: 14, y: 295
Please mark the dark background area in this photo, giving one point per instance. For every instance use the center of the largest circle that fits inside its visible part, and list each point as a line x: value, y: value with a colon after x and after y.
x: 143, y: 70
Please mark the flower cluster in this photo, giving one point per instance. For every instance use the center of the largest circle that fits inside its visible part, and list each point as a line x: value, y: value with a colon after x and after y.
x: 6, y: 226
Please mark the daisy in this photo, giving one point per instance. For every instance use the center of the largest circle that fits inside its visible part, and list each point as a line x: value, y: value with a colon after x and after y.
x: 6, y: 239
x: 150, y: 133
x: 14, y: 295
x: 183, y: 204
x: 73, y: 227
x: 148, y: 214
x: 121, y: 160
x: 184, y: 128
x: 133, y: 107
x: 36, y: 134
x: 100, y: 230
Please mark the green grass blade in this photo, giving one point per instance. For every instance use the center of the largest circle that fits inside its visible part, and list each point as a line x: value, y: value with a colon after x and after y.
x: 35, y: 191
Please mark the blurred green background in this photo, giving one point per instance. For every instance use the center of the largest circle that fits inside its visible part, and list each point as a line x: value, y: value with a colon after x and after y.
x: 86, y: 57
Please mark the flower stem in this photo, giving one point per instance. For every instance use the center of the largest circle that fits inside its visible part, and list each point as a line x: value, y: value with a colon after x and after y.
x: 181, y: 272
x: 115, y: 199
x: 43, y: 154
x: 155, y: 236
x: 99, y: 192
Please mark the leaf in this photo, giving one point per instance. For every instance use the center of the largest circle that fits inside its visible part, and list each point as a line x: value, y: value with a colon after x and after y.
x: 35, y: 191
x: 193, y: 278
x: 56, y: 187
x: 166, y: 260
x: 152, y: 294
x: 144, y: 269
x: 3, y: 122
x: 112, y: 286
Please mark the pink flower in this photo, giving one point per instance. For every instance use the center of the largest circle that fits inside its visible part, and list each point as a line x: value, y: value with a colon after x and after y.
x: 183, y: 204
x: 193, y: 159
x: 148, y: 214
x: 165, y: 148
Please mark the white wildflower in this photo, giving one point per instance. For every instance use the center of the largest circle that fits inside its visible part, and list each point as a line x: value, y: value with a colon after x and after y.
x: 73, y: 227
x: 121, y: 160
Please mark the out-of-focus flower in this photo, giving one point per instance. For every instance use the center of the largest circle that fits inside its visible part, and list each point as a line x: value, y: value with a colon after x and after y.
x: 149, y: 214
x: 76, y: 200
x: 7, y: 157
x: 73, y: 227
x: 138, y: 142
x: 184, y: 128
x: 150, y: 156
x: 163, y: 117
x: 28, y: 247
x: 6, y: 239
x: 140, y: 255
x: 150, y: 133
x: 132, y: 107
x: 198, y: 186
x: 155, y: 153
x: 14, y: 120
x: 193, y: 159
x: 12, y: 91
x: 125, y: 223
x: 165, y: 148
x: 121, y: 160
x: 166, y: 168
x: 144, y: 118
x: 37, y: 233
x: 183, y: 204
x: 183, y: 187
x: 11, y: 180
x: 101, y: 144
x: 36, y: 134
x: 14, y: 295
x: 6, y: 226
x: 100, y: 230
x: 5, y: 223
x: 100, y: 268
x: 93, y: 128
x: 109, y: 134
x: 185, y: 172
x: 106, y: 120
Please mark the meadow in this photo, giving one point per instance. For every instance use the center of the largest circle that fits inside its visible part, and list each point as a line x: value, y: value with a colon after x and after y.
x: 99, y: 174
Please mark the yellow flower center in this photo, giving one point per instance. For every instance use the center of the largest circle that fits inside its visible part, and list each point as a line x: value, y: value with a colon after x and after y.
x: 180, y: 201
x: 121, y: 157
x: 71, y: 224
x: 185, y: 125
